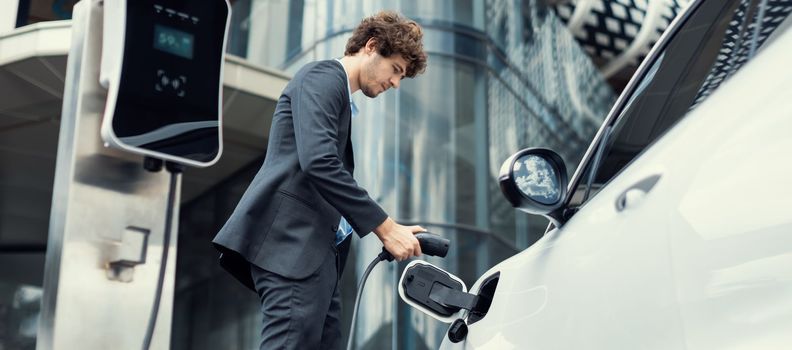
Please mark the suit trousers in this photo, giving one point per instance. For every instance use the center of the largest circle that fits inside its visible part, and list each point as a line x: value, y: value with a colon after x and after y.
x: 301, y: 313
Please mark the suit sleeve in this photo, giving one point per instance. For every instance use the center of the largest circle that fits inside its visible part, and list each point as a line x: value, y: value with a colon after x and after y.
x: 316, y: 106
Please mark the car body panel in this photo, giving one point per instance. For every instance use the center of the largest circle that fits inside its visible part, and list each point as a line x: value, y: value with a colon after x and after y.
x: 701, y: 260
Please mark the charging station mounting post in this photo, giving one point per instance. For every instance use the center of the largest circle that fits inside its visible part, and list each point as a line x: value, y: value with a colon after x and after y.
x: 143, y: 78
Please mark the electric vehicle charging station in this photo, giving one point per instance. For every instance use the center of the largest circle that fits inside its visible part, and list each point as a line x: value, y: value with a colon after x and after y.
x: 108, y: 279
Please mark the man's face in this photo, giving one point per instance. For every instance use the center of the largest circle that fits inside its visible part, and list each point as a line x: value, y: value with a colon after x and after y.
x: 381, y: 73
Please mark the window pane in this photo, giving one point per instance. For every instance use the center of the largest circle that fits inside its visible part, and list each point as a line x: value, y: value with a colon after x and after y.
x: 35, y: 11
x: 713, y: 44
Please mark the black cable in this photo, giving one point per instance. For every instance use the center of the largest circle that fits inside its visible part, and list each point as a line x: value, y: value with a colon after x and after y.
x: 384, y: 255
x: 175, y: 171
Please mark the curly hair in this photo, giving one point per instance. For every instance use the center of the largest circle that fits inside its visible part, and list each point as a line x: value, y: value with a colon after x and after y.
x: 392, y: 34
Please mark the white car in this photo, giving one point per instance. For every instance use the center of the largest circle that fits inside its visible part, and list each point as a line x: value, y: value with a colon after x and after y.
x: 676, y: 229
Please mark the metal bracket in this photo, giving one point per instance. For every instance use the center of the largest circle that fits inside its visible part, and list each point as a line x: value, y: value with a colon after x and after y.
x: 129, y: 253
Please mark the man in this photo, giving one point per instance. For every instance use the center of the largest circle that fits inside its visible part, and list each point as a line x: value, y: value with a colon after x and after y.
x: 289, y: 235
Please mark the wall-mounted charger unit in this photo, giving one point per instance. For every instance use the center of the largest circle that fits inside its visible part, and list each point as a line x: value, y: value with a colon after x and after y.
x: 162, y: 63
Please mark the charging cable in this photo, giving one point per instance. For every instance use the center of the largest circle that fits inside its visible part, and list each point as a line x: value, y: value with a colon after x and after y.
x: 431, y: 244
x: 384, y: 255
x: 175, y: 171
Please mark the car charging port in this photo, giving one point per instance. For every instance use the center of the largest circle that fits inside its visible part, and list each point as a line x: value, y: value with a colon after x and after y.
x: 435, y: 290
x: 422, y: 283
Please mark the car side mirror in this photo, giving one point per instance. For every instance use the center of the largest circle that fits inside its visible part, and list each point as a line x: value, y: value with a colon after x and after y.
x: 534, y: 180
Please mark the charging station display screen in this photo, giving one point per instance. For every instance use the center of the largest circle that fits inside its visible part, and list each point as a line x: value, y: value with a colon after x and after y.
x: 173, y: 41
x: 169, y: 96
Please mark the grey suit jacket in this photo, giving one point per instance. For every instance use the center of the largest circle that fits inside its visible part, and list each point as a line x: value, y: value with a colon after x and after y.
x: 287, y: 219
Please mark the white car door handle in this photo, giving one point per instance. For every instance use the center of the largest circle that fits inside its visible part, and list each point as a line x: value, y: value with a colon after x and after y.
x: 634, y: 195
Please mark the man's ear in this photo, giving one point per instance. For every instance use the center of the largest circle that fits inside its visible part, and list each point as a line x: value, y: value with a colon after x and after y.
x: 371, y: 46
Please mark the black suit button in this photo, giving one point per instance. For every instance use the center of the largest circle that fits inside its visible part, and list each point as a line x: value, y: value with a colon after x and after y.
x: 335, y: 228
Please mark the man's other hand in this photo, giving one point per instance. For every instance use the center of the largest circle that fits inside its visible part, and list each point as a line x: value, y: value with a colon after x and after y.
x: 399, y: 240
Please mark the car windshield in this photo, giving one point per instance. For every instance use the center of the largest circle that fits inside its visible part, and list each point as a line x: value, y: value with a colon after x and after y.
x: 714, y: 42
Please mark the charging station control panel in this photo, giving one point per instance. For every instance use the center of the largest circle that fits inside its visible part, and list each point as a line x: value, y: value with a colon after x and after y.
x: 162, y: 63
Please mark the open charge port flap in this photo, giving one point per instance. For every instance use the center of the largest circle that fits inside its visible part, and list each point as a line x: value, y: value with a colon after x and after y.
x: 421, y: 280
x: 485, y: 295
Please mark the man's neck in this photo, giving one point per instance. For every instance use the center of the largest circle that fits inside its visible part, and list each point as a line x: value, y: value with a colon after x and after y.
x: 352, y: 66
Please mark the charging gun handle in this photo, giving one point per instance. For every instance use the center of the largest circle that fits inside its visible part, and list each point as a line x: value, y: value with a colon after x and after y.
x: 431, y: 244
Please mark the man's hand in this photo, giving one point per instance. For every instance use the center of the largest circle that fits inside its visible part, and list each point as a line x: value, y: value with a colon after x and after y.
x: 399, y: 240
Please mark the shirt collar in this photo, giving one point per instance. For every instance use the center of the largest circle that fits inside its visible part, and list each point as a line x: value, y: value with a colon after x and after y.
x: 352, y: 105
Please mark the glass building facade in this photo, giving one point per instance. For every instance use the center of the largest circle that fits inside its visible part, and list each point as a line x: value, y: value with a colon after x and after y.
x: 502, y: 75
